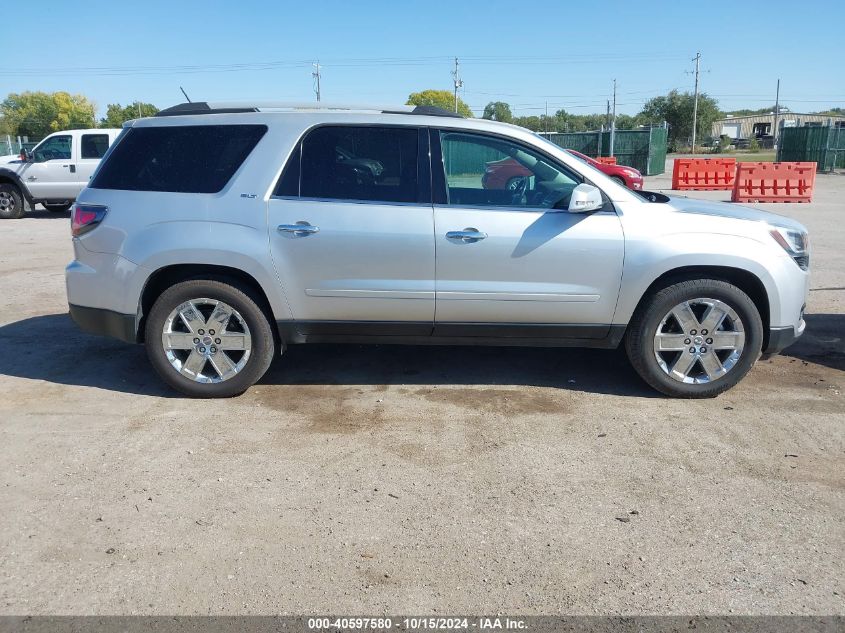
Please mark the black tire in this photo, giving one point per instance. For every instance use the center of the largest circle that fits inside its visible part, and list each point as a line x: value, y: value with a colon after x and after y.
x: 620, y: 180
x: 640, y: 337
x: 242, y: 300
x: 11, y: 207
x: 61, y: 207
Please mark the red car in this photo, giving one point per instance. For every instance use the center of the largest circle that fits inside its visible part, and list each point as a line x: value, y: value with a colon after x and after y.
x: 507, y: 173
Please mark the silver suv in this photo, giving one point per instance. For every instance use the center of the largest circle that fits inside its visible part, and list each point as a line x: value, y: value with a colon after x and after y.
x: 219, y: 234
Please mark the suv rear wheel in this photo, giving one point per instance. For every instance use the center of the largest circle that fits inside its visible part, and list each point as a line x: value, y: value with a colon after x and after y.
x: 696, y: 338
x: 11, y: 202
x: 208, y: 339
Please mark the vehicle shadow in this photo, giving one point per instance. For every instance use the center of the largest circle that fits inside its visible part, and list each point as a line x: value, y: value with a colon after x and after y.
x: 51, y: 348
x: 41, y: 213
x: 823, y: 342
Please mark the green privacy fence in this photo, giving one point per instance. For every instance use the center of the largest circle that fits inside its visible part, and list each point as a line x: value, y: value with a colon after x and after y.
x: 644, y: 150
x: 14, y: 148
x: 468, y: 158
x: 824, y: 146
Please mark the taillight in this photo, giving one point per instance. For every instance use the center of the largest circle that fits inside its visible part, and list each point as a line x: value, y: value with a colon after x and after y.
x: 85, y: 217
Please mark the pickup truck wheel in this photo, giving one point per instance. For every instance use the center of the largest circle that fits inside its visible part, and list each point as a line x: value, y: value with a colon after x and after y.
x: 11, y: 202
x: 695, y: 339
x: 60, y: 207
x: 208, y: 339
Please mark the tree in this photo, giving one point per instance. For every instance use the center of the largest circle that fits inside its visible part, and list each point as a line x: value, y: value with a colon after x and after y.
x: 440, y: 99
x: 38, y: 114
x: 498, y: 111
x: 117, y: 115
x: 747, y: 112
x: 676, y: 109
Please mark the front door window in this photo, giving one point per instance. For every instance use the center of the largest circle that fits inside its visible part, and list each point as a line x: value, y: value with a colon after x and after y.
x: 54, y: 148
x: 488, y: 171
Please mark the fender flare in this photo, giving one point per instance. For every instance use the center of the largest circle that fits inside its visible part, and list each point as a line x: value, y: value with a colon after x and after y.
x: 14, y: 177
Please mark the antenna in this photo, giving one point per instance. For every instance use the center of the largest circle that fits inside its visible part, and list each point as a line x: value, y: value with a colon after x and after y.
x: 186, y: 94
x: 458, y: 82
x: 316, y: 76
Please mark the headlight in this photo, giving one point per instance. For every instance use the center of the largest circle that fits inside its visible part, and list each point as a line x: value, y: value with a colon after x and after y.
x: 631, y: 173
x: 794, y: 242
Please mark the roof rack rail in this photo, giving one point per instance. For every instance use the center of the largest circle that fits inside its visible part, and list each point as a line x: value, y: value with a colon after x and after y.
x: 232, y: 107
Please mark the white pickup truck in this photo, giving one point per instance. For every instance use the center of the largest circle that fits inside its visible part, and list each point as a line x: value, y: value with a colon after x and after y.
x: 54, y: 172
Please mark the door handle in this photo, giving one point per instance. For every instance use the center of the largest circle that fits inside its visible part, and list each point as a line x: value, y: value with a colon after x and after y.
x: 73, y: 169
x: 300, y: 229
x: 468, y: 235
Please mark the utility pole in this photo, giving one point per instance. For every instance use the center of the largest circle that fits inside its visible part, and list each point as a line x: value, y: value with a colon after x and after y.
x: 607, y: 118
x: 697, y: 61
x: 458, y: 82
x: 613, y: 121
x: 316, y: 76
x: 777, y: 112
x: 139, y: 109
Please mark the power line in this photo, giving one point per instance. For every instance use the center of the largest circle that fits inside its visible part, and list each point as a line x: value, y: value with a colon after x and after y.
x: 338, y: 62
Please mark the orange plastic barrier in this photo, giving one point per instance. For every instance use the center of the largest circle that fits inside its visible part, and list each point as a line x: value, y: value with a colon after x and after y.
x: 607, y: 160
x: 704, y: 174
x: 774, y: 182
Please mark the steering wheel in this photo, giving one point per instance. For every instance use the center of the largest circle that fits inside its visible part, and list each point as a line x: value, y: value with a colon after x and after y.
x: 519, y: 189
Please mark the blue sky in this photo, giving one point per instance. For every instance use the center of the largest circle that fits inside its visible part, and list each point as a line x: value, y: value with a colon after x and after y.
x: 563, y: 53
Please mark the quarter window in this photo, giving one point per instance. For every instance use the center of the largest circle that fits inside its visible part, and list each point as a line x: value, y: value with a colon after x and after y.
x: 378, y: 164
x: 54, y: 148
x: 93, y: 145
x: 179, y: 159
x: 489, y: 171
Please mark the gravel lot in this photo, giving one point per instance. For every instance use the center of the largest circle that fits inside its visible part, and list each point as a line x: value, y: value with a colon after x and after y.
x: 415, y: 480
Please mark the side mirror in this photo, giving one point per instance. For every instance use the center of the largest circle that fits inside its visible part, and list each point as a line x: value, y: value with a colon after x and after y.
x: 585, y: 198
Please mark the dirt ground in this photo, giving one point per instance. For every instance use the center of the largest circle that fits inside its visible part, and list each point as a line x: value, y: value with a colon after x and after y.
x: 415, y: 480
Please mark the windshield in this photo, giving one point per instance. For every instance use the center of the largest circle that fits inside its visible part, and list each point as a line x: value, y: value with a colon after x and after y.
x: 558, y: 148
x: 580, y: 157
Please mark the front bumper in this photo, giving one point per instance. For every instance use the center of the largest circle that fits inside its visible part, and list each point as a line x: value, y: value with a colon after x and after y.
x: 782, y: 337
x: 105, y: 322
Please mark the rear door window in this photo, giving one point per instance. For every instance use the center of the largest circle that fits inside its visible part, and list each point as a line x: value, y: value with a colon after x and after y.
x: 376, y: 164
x: 93, y: 145
x: 178, y: 159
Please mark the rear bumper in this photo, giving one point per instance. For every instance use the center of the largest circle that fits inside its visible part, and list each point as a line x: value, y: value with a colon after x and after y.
x: 105, y: 322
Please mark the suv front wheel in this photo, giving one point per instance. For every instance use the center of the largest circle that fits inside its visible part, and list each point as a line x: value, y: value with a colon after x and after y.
x: 208, y: 339
x: 695, y: 339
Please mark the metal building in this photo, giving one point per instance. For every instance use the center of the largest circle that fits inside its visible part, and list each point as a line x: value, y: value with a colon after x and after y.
x: 762, y: 125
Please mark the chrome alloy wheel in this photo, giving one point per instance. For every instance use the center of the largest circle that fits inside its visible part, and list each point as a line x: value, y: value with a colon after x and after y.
x: 7, y: 202
x: 206, y: 340
x: 699, y: 341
